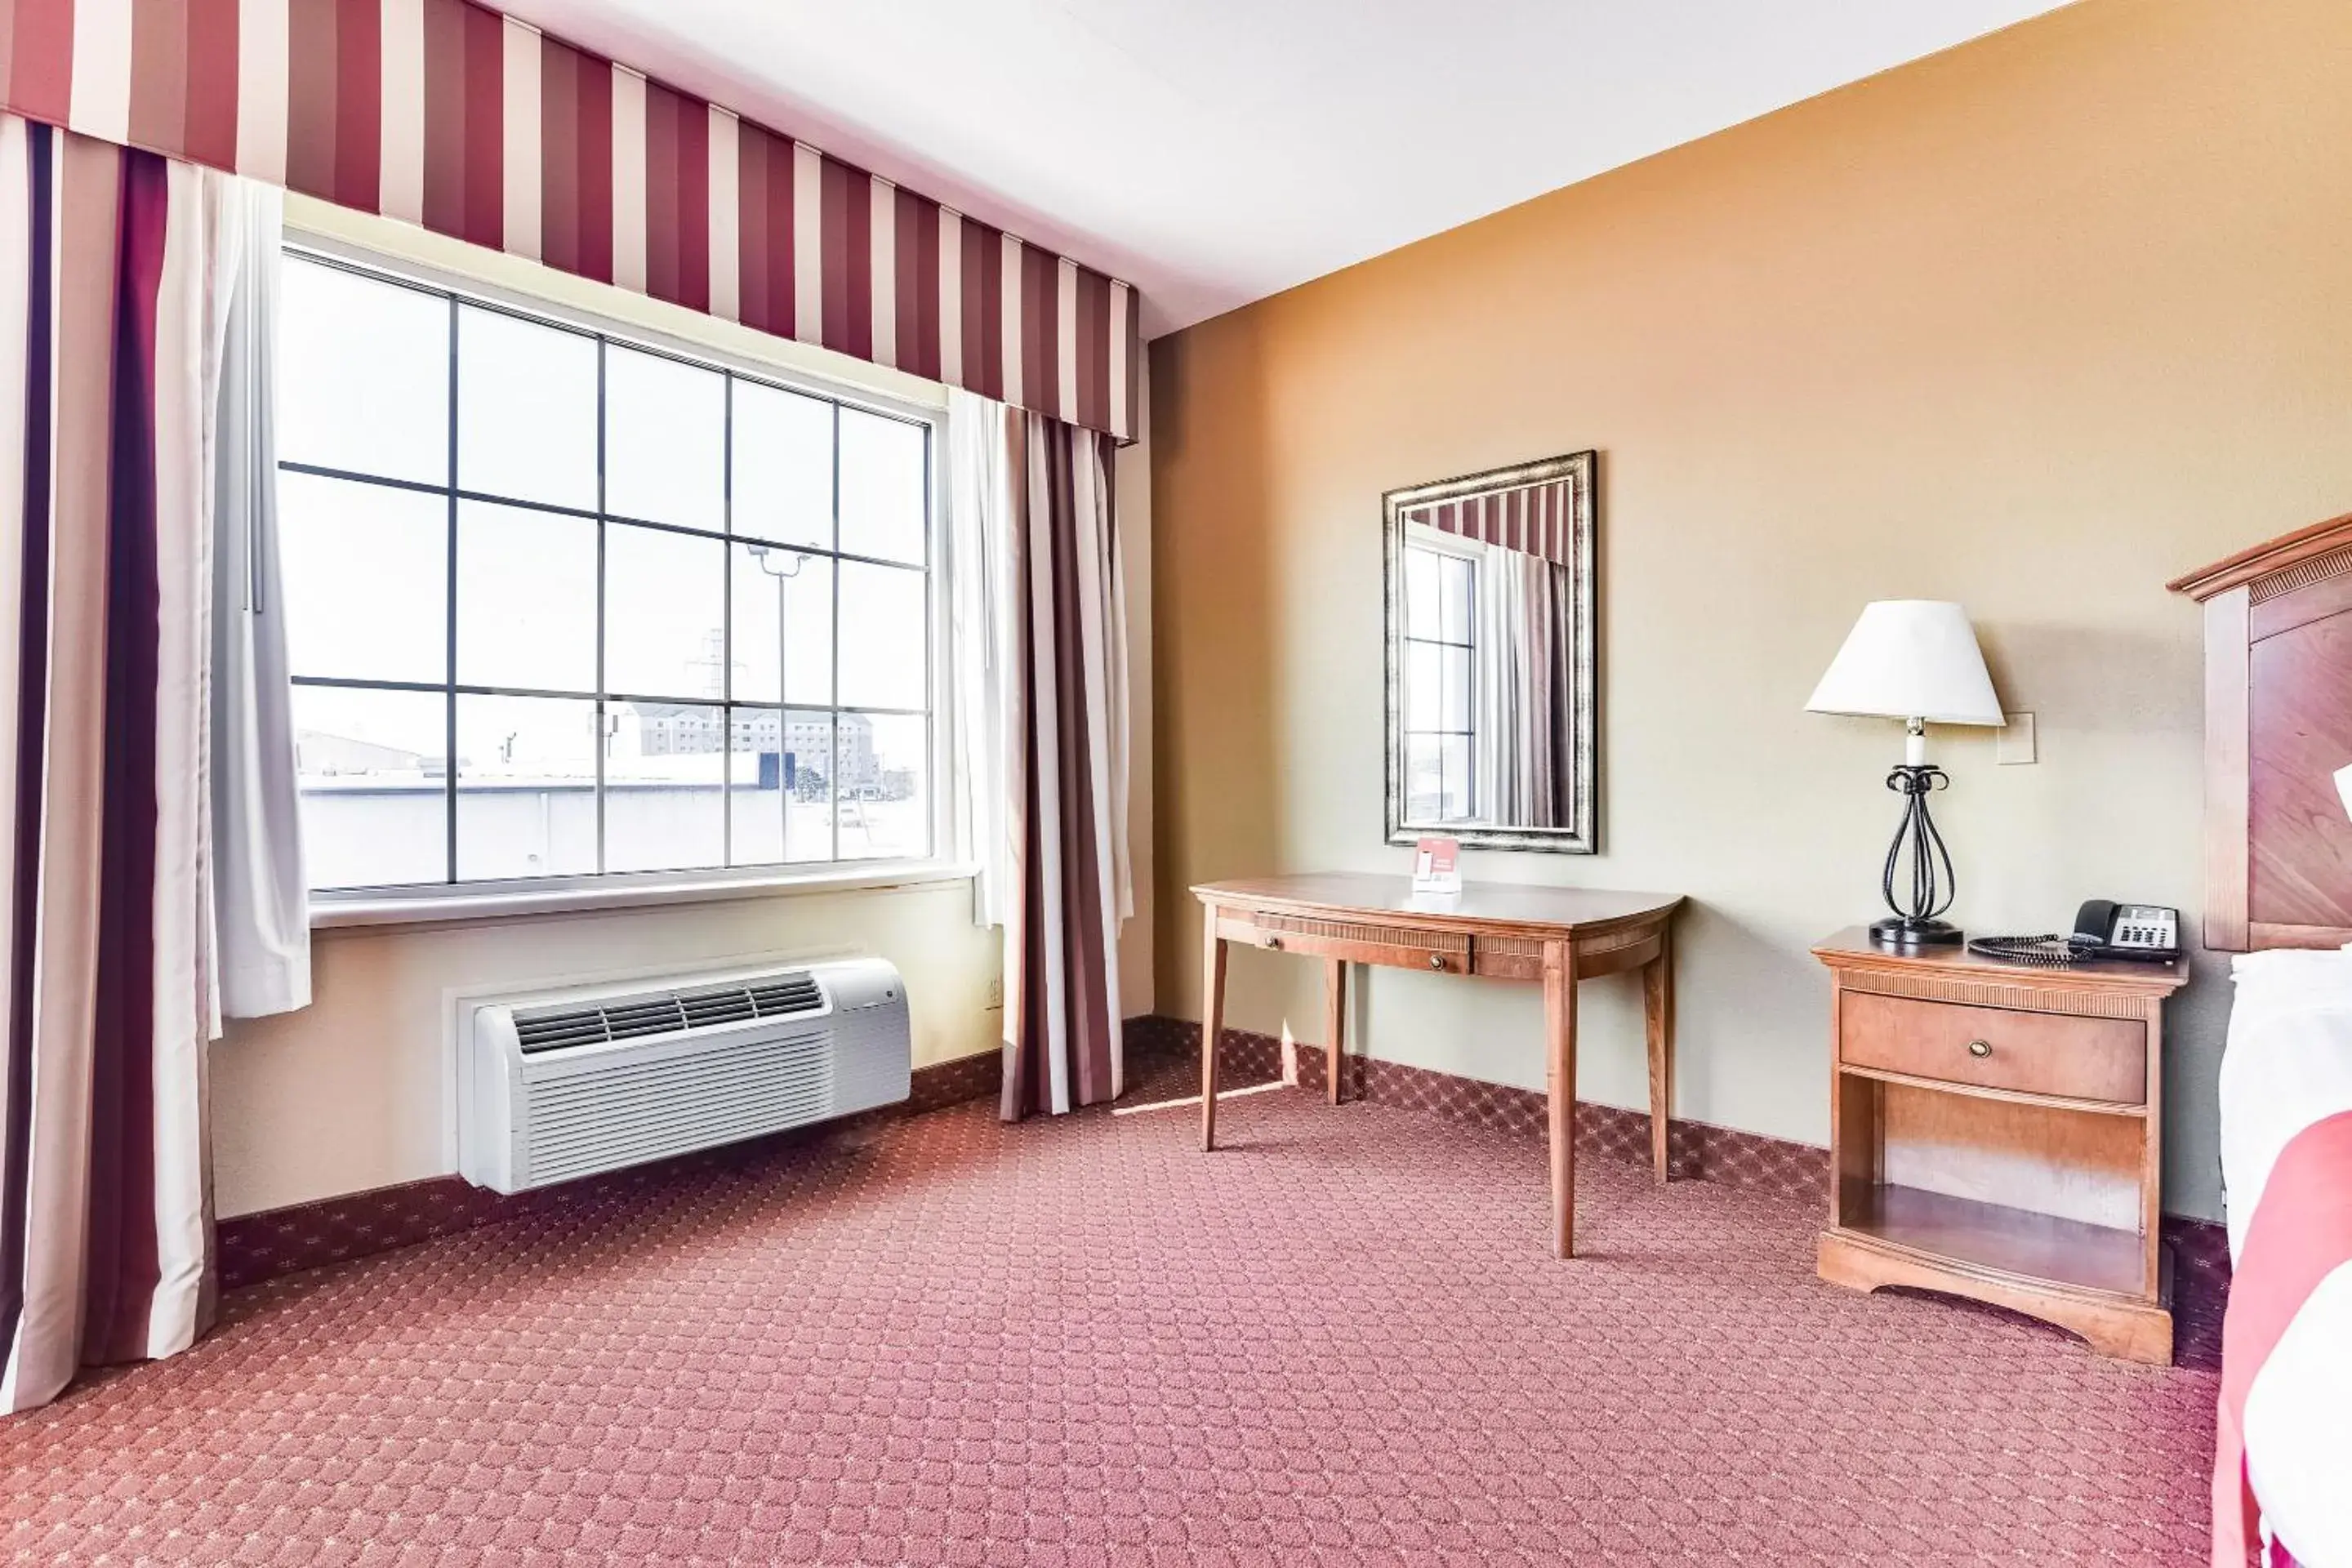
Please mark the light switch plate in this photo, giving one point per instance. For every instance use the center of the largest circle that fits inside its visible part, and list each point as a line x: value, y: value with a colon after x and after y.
x: 2014, y: 743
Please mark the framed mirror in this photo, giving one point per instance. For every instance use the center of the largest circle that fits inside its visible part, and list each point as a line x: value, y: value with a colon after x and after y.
x: 1491, y: 716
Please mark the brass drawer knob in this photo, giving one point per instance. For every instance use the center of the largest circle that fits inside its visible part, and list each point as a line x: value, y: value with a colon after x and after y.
x: 1436, y: 960
x: 1979, y: 1048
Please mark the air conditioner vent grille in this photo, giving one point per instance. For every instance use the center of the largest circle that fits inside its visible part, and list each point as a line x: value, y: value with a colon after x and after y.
x: 732, y: 1004
x: 657, y: 1013
x: 551, y: 1028
x: 634, y: 1019
x: 786, y: 995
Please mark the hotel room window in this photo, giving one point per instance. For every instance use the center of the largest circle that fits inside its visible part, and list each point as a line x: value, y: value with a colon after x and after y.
x: 1441, y: 660
x: 564, y: 604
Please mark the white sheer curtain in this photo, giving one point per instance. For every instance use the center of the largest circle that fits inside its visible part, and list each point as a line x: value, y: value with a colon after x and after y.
x: 261, y: 899
x: 978, y: 569
x: 1500, y: 759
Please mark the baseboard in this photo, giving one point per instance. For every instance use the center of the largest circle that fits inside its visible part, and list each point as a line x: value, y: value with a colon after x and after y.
x: 1694, y: 1148
x: 257, y: 1247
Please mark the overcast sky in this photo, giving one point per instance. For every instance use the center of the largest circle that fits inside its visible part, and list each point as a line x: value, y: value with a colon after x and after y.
x: 365, y: 388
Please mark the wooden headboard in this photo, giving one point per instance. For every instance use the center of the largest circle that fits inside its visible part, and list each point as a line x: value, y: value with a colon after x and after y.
x: 2278, y: 724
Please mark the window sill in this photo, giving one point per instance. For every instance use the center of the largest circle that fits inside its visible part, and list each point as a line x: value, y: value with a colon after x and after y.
x: 436, y: 906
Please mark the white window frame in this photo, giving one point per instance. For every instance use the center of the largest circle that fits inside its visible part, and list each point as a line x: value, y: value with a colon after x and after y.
x: 1437, y: 542
x: 446, y: 902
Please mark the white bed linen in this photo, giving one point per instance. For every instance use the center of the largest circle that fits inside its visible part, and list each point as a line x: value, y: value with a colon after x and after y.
x: 2289, y: 1064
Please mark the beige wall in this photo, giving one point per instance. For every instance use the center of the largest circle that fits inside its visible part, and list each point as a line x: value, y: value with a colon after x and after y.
x: 353, y: 1092
x: 2034, y: 324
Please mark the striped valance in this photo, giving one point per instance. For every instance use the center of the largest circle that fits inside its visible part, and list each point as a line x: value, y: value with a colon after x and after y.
x: 1536, y: 520
x: 472, y: 124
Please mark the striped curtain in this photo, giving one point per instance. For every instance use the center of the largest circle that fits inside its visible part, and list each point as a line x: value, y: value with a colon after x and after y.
x: 1536, y: 520
x: 105, y: 1001
x: 1069, y: 885
x: 447, y: 114
x: 1525, y: 646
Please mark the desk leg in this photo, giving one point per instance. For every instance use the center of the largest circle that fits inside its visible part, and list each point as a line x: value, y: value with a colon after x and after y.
x: 1559, y: 1032
x: 1213, y: 1024
x: 1658, y: 1011
x: 1335, y: 1014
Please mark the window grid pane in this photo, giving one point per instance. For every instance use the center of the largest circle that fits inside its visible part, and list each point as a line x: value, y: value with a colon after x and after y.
x: 1439, y: 727
x: 525, y: 785
x: 541, y: 711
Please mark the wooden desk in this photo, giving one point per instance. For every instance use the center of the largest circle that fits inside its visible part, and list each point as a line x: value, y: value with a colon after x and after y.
x: 1557, y: 935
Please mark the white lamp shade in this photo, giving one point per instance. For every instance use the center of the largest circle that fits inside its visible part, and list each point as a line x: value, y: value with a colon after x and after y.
x: 1910, y: 658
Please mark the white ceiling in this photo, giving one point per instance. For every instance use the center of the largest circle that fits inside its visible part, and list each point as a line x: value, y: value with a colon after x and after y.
x: 1213, y: 151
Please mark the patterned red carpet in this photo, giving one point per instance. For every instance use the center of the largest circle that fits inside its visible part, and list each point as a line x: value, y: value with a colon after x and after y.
x: 1339, y: 1342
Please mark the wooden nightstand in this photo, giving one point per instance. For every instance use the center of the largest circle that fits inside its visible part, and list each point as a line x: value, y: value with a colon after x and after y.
x: 1996, y: 1131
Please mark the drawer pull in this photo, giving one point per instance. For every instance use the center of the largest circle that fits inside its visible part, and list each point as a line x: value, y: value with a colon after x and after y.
x: 1273, y: 941
x: 1436, y: 960
x: 1979, y: 1047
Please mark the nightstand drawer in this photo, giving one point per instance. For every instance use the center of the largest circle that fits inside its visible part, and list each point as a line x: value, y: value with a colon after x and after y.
x: 1995, y: 1047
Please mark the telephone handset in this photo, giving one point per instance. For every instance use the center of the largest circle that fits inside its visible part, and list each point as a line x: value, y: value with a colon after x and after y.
x: 2102, y: 929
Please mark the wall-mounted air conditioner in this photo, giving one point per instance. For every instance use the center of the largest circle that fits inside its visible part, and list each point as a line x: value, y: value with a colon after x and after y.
x: 562, y: 1084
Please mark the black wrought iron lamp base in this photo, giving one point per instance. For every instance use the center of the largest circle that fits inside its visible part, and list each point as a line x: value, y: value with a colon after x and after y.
x: 1897, y: 931
x: 1915, y: 922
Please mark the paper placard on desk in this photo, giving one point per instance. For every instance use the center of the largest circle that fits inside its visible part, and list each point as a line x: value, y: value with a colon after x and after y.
x: 1438, y: 865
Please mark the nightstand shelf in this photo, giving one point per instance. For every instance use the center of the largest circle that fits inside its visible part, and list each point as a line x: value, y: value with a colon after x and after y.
x: 1996, y: 1132
x: 2022, y: 1242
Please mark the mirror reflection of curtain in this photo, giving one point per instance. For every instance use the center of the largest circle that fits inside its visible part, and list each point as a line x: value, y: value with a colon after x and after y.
x: 1524, y: 638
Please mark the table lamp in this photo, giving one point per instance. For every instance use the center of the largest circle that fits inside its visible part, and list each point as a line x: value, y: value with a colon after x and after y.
x: 1917, y: 660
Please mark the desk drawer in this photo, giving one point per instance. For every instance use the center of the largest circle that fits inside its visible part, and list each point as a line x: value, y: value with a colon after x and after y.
x: 1995, y: 1047
x: 1364, y: 942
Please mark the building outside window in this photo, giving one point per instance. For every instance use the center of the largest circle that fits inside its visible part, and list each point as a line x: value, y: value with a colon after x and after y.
x: 560, y: 603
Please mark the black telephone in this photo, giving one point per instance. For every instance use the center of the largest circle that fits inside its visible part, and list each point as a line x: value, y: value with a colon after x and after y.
x: 2102, y: 929
x: 2128, y: 930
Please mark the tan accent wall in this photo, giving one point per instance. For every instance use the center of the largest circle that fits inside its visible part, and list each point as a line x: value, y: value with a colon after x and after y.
x: 2034, y: 324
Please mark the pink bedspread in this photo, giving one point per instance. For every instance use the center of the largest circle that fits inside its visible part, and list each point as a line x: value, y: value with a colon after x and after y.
x: 2301, y: 1232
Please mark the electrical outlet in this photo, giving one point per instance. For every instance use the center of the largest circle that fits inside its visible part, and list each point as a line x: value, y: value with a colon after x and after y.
x: 2013, y: 742
x: 995, y: 992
